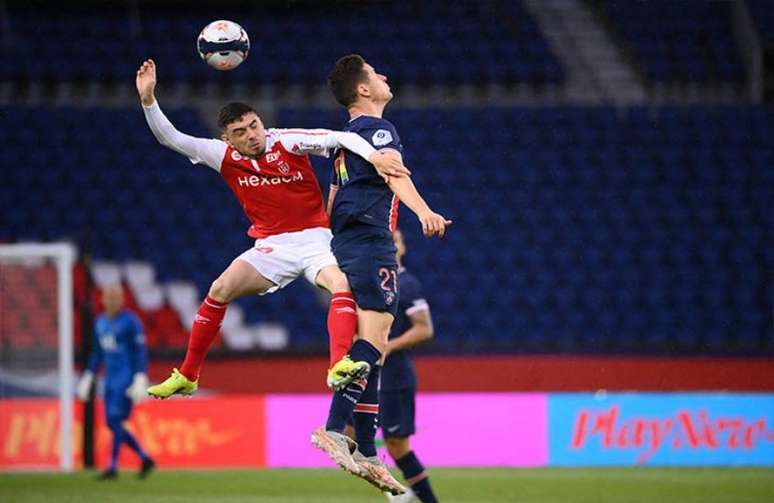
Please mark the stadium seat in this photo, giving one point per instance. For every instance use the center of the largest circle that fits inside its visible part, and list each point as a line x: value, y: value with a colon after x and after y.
x: 637, y: 231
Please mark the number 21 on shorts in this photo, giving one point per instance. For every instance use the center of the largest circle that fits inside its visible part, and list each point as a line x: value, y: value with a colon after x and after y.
x: 389, y: 284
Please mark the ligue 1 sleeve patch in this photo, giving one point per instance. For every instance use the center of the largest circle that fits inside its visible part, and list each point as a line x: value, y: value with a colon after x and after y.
x: 381, y: 137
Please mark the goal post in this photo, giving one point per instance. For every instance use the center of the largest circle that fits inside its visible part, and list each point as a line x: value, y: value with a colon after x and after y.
x: 19, y: 268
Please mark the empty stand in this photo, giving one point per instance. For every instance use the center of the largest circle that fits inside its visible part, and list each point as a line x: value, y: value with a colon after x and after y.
x: 466, y: 42
x: 679, y: 42
x: 576, y: 229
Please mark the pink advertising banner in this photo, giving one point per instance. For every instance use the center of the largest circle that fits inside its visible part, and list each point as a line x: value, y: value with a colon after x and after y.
x: 453, y: 429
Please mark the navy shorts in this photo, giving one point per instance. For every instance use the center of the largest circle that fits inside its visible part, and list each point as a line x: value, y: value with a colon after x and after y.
x: 367, y: 257
x: 396, y: 412
x: 117, y: 405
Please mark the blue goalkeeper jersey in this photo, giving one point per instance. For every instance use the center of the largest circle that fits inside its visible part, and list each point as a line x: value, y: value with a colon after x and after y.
x: 119, y: 343
x: 363, y: 197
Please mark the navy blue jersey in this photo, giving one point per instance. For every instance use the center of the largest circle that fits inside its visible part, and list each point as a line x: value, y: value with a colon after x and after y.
x: 119, y: 343
x: 399, y: 371
x: 363, y: 196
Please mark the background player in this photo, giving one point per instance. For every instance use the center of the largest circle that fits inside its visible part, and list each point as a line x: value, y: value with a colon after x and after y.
x: 119, y: 343
x: 398, y: 382
x: 398, y: 387
x: 364, y: 211
x: 271, y: 176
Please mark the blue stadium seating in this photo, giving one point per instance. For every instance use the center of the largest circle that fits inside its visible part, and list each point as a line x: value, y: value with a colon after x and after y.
x: 687, y: 41
x: 576, y: 229
x: 763, y: 16
x: 468, y: 42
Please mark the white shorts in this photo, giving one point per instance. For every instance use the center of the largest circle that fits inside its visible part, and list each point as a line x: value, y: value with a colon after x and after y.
x: 284, y: 257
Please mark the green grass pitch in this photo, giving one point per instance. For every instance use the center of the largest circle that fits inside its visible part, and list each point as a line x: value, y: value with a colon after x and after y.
x: 554, y: 485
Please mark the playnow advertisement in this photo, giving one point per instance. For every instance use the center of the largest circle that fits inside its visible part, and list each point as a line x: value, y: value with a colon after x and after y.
x: 452, y: 429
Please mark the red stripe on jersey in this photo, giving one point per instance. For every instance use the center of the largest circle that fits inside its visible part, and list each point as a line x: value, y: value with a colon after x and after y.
x: 367, y: 408
x: 394, y: 213
x: 301, y: 131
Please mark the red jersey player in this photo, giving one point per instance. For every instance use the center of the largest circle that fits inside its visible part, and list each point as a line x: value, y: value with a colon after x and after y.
x: 270, y: 174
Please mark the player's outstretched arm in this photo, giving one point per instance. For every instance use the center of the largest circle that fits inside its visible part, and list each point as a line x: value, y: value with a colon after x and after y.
x: 198, y: 150
x: 321, y: 141
x: 433, y: 224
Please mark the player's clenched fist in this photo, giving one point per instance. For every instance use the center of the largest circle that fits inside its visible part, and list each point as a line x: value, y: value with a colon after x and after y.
x: 146, y: 82
x: 433, y: 224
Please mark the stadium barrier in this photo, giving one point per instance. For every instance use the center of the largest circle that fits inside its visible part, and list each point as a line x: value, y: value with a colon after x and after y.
x: 453, y: 429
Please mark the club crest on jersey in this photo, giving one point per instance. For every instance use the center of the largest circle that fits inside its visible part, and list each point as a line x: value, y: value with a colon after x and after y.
x: 284, y: 167
x: 381, y: 137
x: 236, y: 155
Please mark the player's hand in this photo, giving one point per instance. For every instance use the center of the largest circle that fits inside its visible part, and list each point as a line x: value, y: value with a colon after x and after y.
x: 83, y: 390
x: 146, y: 82
x: 388, y: 164
x: 138, y: 390
x: 433, y: 224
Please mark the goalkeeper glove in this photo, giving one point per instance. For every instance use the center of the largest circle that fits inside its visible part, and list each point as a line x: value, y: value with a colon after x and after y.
x: 84, y: 385
x: 138, y: 390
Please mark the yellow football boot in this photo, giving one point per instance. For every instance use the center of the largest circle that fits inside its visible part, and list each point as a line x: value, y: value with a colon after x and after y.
x: 346, y: 371
x: 175, y: 384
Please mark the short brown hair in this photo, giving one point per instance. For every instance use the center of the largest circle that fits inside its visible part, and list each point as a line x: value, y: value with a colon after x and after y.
x: 233, y: 112
x: 347, y: 73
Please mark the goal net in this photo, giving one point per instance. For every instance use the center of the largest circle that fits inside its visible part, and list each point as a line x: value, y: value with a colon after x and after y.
x: 36, y: 356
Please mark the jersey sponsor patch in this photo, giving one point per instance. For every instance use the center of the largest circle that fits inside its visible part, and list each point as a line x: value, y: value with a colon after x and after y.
x: 306, y: 147
x: 381, y: 137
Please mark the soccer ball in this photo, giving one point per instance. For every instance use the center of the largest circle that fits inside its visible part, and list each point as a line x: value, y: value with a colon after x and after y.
x: 223, y: 45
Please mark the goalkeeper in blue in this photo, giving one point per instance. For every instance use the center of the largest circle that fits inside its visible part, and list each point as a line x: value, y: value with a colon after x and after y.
x: 119, y: 344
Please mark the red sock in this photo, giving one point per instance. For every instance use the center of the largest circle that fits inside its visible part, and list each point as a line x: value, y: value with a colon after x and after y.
x: 204, y: 330
x: 342, y: 324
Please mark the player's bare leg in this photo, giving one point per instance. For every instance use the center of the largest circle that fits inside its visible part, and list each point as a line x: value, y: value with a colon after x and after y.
x: 239, y: 279
x: 373, y: 327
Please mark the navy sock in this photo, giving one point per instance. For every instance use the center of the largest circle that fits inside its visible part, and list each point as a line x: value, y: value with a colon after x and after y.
x: 134, y: 444
x: 416, y: 477
x: 364, y: 418
x: 344, y: 401
x: 117, y: 440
